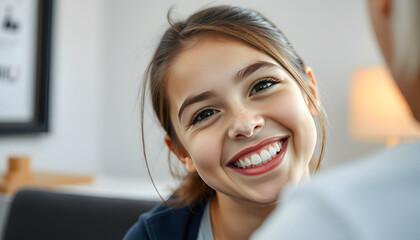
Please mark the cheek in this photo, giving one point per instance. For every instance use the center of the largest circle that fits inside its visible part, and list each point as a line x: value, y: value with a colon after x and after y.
x: 292, y: 112
x: 206, y: 154
x: 205, y: 150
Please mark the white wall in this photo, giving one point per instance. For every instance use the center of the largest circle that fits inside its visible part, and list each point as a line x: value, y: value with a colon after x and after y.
x: 76, y: 85
x: 102, y: 47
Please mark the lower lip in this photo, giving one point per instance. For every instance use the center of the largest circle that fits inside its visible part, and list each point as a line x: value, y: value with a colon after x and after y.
x: 254, y: 171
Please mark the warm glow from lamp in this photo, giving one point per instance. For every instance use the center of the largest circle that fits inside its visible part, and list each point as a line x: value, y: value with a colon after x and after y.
x: 378, y: 111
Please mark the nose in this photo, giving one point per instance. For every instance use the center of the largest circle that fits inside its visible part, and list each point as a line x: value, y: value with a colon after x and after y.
x: 245, y: 123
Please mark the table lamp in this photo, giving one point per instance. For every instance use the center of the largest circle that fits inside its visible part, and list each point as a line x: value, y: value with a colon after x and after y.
x: 378, y: 111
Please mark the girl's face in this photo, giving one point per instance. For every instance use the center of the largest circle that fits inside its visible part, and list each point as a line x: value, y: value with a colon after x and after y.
x: 243, y: 121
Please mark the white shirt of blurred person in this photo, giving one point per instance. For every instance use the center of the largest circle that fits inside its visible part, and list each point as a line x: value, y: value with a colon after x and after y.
x: 377, y: 197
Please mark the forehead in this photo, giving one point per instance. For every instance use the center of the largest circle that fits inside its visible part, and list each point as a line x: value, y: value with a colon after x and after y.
x: 213, y: 51
x: 207, y: 61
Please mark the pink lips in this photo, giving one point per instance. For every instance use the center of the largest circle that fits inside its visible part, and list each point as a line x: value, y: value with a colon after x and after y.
x: 265, y: 167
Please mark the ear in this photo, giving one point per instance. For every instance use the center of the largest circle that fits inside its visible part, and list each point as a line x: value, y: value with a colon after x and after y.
x: 314, y: 90
x: 182, y: 155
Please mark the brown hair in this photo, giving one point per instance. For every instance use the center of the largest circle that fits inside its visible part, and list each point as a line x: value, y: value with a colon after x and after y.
x: 236, y: 22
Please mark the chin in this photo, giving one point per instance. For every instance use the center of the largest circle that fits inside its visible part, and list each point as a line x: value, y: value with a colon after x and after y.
x: 264, y: 200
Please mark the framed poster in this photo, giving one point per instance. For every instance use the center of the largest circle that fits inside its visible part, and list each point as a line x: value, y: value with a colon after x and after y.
x: 25, y: 41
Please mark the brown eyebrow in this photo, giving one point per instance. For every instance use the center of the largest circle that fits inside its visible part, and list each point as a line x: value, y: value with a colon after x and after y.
x: 245, y: 72
x: 193, y: 99
x: 241, y: 74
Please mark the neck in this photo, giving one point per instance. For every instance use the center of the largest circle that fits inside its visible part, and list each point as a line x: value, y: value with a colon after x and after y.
x: 235, y: 218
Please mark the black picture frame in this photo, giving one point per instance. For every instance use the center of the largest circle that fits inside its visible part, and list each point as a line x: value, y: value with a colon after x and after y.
x: 40, y: 121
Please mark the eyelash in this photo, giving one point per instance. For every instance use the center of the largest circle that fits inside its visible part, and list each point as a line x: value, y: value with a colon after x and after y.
x: 271, y: 80
x: 195, y: 119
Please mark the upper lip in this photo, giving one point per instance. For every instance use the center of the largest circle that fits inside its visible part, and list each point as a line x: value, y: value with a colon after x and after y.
x: 254, y: 148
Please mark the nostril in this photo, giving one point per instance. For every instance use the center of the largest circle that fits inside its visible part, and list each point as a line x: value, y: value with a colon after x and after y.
x: 246, y: 126
x: 258, y: 126
x: 241, y: 135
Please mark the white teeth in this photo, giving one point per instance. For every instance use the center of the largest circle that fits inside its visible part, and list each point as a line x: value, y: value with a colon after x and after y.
x: 262, y: 158
x: 272, y: 151
x: 248, y: 162
x: 242, y: 163
x: 265, y: 156
x: 277, y: 146
x: 255, y: 159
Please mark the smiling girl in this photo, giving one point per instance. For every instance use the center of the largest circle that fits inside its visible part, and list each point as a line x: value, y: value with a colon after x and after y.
x: 238, y: 106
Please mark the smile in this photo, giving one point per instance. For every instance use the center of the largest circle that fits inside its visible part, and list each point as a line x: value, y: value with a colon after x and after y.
x: 260, y: 159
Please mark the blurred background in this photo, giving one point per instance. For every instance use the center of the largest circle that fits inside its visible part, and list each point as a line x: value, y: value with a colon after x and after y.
x: 100, y: 49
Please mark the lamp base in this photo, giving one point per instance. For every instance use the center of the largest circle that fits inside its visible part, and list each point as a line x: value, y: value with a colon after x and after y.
x: 20, y: 176
x: 392, y: 142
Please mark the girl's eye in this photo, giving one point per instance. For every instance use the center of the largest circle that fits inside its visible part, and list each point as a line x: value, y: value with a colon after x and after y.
x: 202, y: 115
x: 262, y: 85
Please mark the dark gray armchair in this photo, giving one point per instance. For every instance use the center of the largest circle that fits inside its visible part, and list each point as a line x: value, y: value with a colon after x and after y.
x: 36, y: 214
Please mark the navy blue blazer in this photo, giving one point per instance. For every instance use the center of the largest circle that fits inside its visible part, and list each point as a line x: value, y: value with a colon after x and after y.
x: 163, y: 222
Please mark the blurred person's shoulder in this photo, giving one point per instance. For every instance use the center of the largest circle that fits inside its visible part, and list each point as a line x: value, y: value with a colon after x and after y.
x: 388, y: 168
x: 375, y: 197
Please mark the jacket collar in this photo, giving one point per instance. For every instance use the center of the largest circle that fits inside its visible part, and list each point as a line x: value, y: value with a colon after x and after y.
x: 176, y: 223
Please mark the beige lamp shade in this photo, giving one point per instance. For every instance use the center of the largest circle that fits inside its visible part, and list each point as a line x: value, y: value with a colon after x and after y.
x: 378, y: 111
